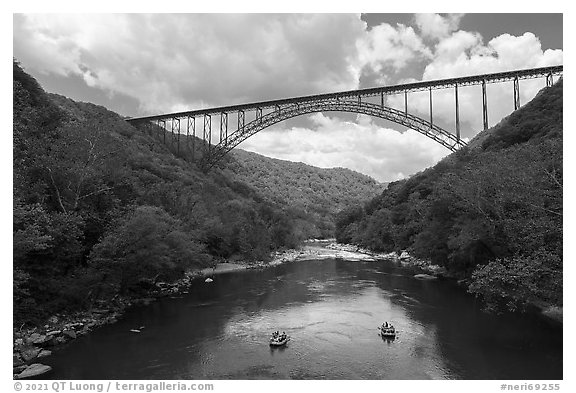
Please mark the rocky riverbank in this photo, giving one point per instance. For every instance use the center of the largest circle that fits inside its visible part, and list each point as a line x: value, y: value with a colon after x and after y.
x: 351, y: 252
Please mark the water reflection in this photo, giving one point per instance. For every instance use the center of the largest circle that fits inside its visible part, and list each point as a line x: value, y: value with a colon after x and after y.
x: 332, y: 310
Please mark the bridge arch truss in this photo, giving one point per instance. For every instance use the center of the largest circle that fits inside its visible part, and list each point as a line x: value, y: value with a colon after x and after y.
x: 284, y: 112
x: 199, y: 124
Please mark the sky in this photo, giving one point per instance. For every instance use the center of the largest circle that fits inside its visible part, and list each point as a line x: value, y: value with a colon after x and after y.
x: 141, y: 64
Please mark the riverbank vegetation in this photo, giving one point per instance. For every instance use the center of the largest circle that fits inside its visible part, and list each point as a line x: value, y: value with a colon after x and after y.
x: 103, y: 210
x: 491, y: 213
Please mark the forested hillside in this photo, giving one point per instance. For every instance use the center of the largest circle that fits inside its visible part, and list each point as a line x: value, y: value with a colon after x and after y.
x: 101, y: 209
x: 490, y: 213
x: 308, y: 191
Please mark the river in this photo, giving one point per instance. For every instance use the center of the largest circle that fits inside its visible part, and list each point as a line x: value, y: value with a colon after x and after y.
x: 331, y: 308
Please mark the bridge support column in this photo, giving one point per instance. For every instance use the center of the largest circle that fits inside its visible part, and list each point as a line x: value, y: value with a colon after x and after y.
x: 516, y: 93
x: 431, y: 118
x: 207, y: 137
x: 258, y: 113
x: 484, y: 105
x: 176, y: 127
x: 163, y: 128
x: 241, y: 121
x: 405, y: 102
x: 457, y: 111
x: 223, y: 126
x: 382, y: 99
x: 549, y: 80
x: 191, y: 123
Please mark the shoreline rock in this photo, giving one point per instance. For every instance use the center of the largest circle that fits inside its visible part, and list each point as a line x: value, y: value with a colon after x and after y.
x: 425, y: 277
x: 33, y: 370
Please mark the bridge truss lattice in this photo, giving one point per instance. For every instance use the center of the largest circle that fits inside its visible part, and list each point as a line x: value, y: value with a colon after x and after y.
x: 197, y: 126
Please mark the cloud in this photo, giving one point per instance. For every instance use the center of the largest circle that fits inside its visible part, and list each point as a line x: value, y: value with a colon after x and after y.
x: 382, y: 153
x: 464, y: 53
x: 173, y: 62
x: 435, y: 26
x: 170, y: 61
x: 385, y: 46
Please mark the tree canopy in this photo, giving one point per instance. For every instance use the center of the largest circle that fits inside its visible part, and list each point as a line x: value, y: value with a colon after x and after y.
x: 490, y: 213
x: 102, y: 208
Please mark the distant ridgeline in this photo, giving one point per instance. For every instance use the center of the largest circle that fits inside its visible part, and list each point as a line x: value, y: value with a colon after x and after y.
x: 310, y: 192
x: 490, y: 213
x: 102, y: 209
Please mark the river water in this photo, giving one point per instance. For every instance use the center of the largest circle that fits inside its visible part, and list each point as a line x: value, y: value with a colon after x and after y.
x: 331, y: 309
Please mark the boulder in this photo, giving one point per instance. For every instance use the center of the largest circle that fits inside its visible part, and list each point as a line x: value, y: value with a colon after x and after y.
x: 424, y: 277
x: 404, y: 255
x: 40, y: 340
x: 34, y: 337
x: 75, y: 326
x: 48, y: 342
x: 70, y: 333
x: 34, y: 370
x: 43, y: 353
x: 29, y: 353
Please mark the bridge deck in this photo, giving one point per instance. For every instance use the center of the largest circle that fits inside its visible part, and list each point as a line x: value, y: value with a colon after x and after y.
x: 369, y: 92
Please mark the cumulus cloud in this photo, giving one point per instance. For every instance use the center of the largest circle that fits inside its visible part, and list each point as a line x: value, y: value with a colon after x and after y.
x: 382, y: 153
x: 464, y: 53
x: 174, y: 60
x: 435, y: 26
x: 385, y: 46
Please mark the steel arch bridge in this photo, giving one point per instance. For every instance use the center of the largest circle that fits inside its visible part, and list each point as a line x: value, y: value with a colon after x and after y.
x: 288, y: 111
x: 267, y: 113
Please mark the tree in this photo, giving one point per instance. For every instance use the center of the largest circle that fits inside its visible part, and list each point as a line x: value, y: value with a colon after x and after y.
x: 82, y: 163
x: 146, y: 243
x: 514, y: 283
